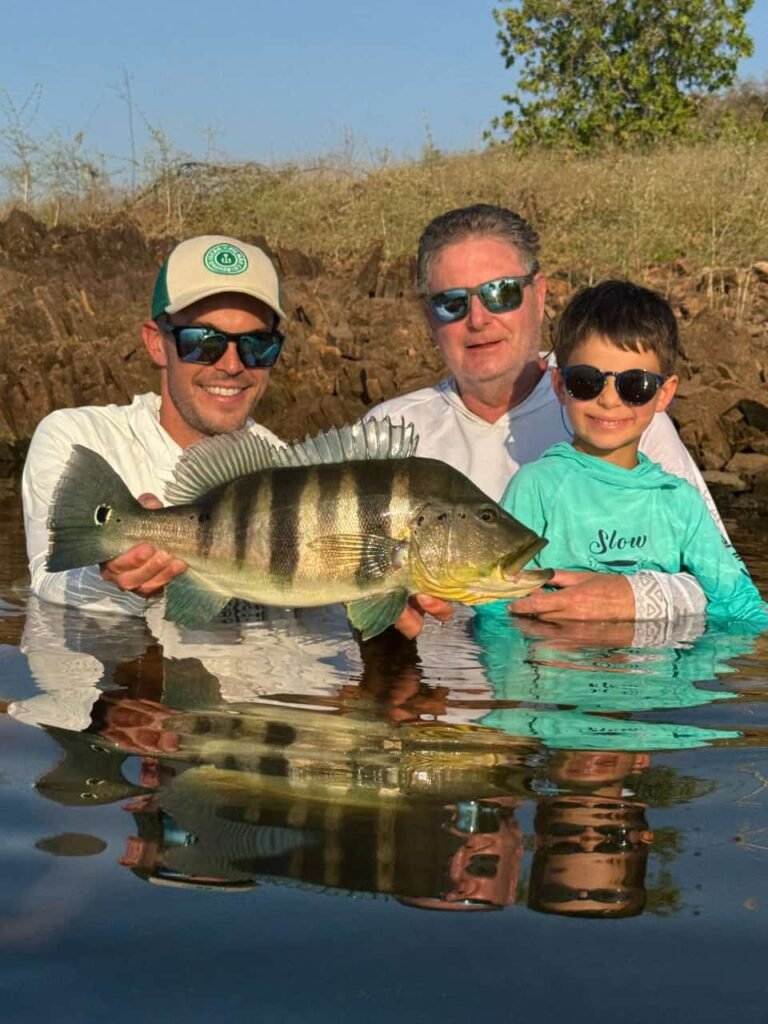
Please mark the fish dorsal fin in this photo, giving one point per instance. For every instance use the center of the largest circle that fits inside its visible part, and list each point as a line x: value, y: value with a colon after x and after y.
x: 369, y: 439
x: 218, y: 460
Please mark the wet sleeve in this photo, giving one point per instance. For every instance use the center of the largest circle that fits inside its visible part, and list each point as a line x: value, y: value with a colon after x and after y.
x: 672, y: 596
x: 81, y: 588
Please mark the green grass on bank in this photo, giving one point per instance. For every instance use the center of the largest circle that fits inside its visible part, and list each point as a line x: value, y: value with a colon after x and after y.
x: 705, y: 204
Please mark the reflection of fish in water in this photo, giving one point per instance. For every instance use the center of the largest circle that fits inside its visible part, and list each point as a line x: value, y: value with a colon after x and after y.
x: 352, y: 759
x: 347, y: 516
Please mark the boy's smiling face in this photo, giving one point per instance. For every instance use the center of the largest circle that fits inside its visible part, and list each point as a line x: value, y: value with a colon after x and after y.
x: 608, y: 427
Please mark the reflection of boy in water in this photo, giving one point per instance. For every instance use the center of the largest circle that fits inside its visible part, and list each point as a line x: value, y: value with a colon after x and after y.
x: 591, y: 849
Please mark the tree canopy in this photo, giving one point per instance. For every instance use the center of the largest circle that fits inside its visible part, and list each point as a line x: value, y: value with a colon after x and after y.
x: 625, y: 71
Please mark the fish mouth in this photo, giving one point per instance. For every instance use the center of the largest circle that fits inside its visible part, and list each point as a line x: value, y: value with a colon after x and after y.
x: 511, y: 566
x: 506, y: 579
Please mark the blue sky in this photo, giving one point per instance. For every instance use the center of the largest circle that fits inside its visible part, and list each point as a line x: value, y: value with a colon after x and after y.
x: 270, y: 81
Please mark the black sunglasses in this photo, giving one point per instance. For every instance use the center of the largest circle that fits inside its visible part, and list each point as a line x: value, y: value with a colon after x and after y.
x: 204, y: 345
x: 556, y: 892
x: 613, y: 838
x: 501, y: 295
x: 635, y: 387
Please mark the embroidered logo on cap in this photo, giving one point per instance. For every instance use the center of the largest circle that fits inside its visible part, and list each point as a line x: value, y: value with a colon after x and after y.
x: 225, y: 258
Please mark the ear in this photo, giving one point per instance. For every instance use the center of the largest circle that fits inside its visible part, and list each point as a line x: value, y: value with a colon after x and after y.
x: 666, y: 393
x: 539, y: 286
x: 431, y: 319
x: 559, y: 385
x: 155, y: 343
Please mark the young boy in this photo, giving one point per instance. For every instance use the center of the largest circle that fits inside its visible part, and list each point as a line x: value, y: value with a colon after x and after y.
x: 601, y: 504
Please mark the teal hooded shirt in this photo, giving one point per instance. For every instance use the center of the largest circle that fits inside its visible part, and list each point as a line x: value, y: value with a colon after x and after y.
x: 604, y: 518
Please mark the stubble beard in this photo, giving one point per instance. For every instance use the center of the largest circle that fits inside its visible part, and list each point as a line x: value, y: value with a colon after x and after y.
x: 197, y: 420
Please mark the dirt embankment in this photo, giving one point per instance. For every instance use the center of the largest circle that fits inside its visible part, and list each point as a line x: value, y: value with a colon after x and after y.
x: 71, y: 305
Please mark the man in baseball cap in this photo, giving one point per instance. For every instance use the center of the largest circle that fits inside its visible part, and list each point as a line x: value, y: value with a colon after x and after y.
x: 214, y: 336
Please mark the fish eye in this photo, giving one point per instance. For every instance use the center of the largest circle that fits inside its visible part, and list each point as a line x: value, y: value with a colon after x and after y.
x: 102, y: 515
x: 488, y: 515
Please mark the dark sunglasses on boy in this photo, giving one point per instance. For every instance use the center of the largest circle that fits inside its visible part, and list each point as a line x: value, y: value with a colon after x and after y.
x: 501, y: 295
x: 635, y: 387
x: 556, y: 892
x: 258, y: 350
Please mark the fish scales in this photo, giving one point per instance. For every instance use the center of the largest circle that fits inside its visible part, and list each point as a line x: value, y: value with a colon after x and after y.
x: 311, y: 522
x: 225, y: 513
x: 401, y: 501
x: 258, y: 546
x: 373, y: 514
x: 330, y: 483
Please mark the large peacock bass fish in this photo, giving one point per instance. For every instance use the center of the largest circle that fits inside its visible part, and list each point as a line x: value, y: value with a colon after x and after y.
x: 348, y: 516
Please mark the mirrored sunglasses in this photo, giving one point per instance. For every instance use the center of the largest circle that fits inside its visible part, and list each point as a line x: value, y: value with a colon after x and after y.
x: 635, y: 387
x: 206, y: 346
x: 501, y: 295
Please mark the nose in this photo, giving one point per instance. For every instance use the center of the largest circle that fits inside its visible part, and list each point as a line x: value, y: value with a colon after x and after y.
x: 609, y: 396
x: 478, y: 315
x: 230, y: 363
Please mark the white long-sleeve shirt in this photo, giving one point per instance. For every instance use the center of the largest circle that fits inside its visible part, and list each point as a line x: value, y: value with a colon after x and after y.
x: 140, y: 451
x: 491, y: 453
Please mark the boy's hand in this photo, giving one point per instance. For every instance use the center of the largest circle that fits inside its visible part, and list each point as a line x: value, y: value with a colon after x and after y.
x: 582, y: 596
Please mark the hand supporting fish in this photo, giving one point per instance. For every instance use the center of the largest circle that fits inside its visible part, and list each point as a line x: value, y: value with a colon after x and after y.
x: 142, y: 569
x: 348, y: 516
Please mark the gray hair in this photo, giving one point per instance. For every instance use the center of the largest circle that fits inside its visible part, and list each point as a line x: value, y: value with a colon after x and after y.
x: 480, y: 219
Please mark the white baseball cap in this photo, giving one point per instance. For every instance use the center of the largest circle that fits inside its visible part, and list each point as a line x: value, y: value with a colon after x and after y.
x: 210, y: 264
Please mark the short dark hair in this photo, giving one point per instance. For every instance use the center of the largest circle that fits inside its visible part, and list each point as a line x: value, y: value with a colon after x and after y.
x: 479, y: 219
x: 627, y: 315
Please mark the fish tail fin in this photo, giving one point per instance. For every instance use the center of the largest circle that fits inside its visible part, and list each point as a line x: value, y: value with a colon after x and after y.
x: 87, y: 515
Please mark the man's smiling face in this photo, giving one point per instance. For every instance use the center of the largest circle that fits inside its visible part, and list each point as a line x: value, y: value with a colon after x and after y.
x: 485, y: 347
x: 200, y: 401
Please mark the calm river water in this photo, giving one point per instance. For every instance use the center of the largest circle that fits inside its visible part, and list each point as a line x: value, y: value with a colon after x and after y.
x: 261, y: 822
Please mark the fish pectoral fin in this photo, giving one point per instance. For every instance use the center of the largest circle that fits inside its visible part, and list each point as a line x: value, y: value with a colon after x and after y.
x: 190, y: 602
x: 372, y: 615
x: 364, y: 553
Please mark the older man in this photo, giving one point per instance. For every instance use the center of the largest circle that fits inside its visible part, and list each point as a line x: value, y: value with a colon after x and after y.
x: 214, y: 337
x: 484, y: 295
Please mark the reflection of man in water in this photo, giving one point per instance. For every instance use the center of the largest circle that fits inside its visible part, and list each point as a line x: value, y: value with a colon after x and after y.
x: 476, y: 865
x: 591, y: 847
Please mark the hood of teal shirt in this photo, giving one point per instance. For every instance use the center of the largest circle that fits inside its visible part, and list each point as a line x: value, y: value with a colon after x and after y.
x: 645, y: 476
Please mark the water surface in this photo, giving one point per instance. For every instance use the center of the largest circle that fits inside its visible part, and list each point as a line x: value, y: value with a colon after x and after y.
x: 262, y: 821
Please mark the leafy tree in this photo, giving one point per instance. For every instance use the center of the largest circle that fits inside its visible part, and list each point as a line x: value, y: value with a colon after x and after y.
x: 625, y: 71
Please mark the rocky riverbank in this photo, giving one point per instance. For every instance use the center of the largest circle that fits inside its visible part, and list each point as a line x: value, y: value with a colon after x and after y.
x: 72, y: 301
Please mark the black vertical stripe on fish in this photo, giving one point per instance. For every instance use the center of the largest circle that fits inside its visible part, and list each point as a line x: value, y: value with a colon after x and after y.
x: 287, y: 488
x: 373, y: 507
x: 245, y: 500
x: 278, y: 734
x: 205, y: 531
x: 275, y: 767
